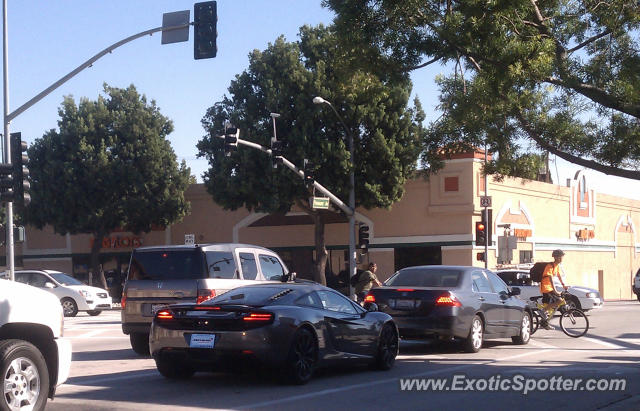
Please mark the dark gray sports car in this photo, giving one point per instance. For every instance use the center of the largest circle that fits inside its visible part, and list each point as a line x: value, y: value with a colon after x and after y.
x: 293, y: 327
x: 469, y: 303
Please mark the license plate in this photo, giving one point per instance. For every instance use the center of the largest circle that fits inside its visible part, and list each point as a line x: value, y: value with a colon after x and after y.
x: 405, y: 303
x: 157, y: 307
x: 202, y: 340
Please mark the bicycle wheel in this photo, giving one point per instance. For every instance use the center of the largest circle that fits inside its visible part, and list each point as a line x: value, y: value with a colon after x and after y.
x: 574, y: 323
x: 535, y: 322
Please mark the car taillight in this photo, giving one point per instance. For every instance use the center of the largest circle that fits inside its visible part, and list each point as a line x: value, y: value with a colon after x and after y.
x: 369, y: 298
x: 405, y: 289
x: 164, y: 315
x: 204, y: 295
x: 123, y: 301
x: 258, y: 317
x: 448, y: 300
x: 206, y: 308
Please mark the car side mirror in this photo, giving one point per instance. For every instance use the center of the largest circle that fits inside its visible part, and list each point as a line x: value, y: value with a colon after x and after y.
x: 371, y: 307
x: 514, y: 291
x: 288, y: 277
x: 49, y: 285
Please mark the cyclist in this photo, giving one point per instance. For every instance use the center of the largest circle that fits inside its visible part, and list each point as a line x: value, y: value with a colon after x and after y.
x: 550, y: 297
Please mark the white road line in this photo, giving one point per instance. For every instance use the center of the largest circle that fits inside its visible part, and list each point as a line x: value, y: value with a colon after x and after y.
x: 603, y: 343
x: 369, y: 384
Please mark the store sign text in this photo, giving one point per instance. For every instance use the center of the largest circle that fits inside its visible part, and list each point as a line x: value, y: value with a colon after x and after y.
x: 120, y: 242
x: 522, y: 233
x: 585, y: 235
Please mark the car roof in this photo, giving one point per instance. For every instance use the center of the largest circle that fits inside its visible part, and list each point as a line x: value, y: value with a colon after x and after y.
x: 446, y: 267
x: 207, y: 246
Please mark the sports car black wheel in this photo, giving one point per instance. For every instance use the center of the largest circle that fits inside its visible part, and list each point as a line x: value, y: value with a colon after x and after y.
x: 302, y: 358
x: 172, y: 369
x: 387, y: 348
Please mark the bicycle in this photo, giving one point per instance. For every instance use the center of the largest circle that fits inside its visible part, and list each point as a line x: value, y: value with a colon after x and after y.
x: 573, y: 321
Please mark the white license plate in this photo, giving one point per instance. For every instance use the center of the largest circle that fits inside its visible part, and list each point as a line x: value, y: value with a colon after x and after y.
x: 157, y: 307
x: 202, y: 340
x: 405, y: 304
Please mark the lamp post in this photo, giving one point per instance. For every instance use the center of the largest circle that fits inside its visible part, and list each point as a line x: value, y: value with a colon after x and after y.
x: 352, y: 194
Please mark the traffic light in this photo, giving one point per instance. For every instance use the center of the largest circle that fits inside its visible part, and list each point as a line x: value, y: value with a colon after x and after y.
x: 309, y: 174
x: 277, y: 151
x: 231, y: 135
x: 363, y: 237
x: 19, y: 162
x: 480, y: 256
x: 205, y: 18
x: 6, y: 182
x: 481, y: 233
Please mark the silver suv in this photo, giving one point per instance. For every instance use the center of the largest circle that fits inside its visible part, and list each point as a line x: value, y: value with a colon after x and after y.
x: 164, y: 275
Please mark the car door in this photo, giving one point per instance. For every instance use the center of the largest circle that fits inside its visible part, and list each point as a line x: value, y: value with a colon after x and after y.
x: 349, y: 326
x: 271, y: 267
x: 511, y: 311
x: 489, y: 303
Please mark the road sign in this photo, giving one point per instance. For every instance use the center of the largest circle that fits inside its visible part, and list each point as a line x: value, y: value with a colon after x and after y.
x: 189, y: 239
x: 177, y: 18
x: 485, y: 201
x: 320, y: 203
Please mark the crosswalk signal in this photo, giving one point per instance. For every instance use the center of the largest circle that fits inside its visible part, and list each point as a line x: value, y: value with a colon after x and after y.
x: 19, y: 161
x: 205, y: 28
x: 363, y: 237
x: 277, y: 151
x: 481, y: 233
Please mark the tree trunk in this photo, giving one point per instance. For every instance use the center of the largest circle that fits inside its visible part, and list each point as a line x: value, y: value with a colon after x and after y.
x: 96, y: 269
x: 321, y: 250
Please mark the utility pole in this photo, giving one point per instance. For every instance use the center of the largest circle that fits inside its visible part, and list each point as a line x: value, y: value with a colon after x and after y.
x: 485, y: 212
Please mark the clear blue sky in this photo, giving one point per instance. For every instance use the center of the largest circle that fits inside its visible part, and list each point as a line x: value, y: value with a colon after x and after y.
x: 47, y: 39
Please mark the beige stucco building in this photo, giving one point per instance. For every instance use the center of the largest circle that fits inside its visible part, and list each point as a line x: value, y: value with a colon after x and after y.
x: 434, y: 223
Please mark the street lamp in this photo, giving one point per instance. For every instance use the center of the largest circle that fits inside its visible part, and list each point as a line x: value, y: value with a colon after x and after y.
x: 352, y: 194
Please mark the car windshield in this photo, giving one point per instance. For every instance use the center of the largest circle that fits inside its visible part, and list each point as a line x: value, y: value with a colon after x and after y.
x: 425, y: 277
x: 167, y: 265
x: 65, y: 279
x: 251, y: 295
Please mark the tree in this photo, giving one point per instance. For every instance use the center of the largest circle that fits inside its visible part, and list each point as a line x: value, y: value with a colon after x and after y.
x: 284, y: 79
x: 527, y: 76
x: 108, y: 167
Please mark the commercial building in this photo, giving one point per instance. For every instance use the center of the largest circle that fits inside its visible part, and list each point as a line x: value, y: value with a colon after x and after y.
x: 434, y: 223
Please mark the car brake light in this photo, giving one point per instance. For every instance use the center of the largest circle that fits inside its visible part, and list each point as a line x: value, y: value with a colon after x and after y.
x: 206, y: 308
x: 164, y: 315
x: 448, y: 300
x: 123, y: 301
x: 258, y: 317
x: 405, y: 289
x: 204, y: 295
x: 369, y: 298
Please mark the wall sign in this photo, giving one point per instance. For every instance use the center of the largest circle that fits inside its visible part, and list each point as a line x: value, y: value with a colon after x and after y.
x: 120, y: 242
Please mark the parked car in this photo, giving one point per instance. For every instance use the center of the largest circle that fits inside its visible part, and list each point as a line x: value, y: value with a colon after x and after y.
x: 159, y: 276
x: 467, y: 303
x: 74, y: 295
x: 636, y: 284
x: 34, y: 357
x: 293, y: 327
x: 583, y: 298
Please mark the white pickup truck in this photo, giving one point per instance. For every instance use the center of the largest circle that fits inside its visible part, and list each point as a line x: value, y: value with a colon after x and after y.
x: 34, y: 357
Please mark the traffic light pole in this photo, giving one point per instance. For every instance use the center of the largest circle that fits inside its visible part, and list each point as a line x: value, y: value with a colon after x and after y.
x: 7, y: 140
x: 486, y: 213
x: 8, y: 116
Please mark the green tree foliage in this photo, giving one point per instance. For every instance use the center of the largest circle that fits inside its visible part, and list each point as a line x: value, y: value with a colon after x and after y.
x: 526, y: 76
x: 109, y: 166
x: 283, y: 79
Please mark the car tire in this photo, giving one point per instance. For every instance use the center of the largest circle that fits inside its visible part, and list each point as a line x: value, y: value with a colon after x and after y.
x: 572, y: 303
x: 302, y: 358
x: 69, y: 307
x: 172, y: 369
x: 93, y: 313
x: 525, y: 330
x: 140, y: 343
x: 638, y: 297
x: 473, y: 342
x: 25, y: 376
x: 388, y: 345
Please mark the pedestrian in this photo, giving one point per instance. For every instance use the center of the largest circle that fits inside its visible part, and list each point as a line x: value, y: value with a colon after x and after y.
x: 366, y: 281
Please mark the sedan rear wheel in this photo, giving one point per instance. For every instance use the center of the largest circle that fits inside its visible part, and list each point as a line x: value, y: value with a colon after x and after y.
x: 302, y: 358
x: 473, y: 343
x: 387, y: 348
x: 69, y: 307
x: 525, y: 330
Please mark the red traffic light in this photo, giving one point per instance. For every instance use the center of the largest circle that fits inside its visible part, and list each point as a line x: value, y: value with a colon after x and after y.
x: 480, y: 227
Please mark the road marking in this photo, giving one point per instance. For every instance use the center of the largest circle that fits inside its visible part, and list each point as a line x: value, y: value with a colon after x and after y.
x: 369, y: 384
x: 603, y: 343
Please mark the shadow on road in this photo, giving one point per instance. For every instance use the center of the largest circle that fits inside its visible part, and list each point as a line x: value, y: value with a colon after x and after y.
x: 106, y: 355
